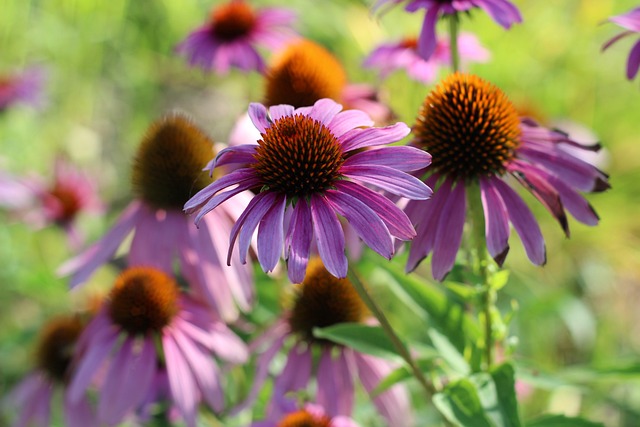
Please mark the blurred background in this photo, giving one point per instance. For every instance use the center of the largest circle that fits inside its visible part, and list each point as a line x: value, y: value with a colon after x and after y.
x: 111, y: 70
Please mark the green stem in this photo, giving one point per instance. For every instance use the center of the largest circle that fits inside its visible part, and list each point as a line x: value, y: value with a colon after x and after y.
x: 388, y: 329
x: 488, y: 300
x: 453, y: 42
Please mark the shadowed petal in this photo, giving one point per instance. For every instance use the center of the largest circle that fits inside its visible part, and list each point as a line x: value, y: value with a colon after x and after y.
x: 271, y: 235
x: 389, y: 179
x: 298, y: 243
x: 296, y: 373
x: 404, y: 158
x: 524, y: 222
x: 259, y: 116
x: 496, y: 221
x: 181, y: 380
x: 335, y: 386
x: 253, y: 218
x: 633, y: 63
x: 329, y: 237
x: 369, y: 137
x: 449, y: 232
x: 427, y: 41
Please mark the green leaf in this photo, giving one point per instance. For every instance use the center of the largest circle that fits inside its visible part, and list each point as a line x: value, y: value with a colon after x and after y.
x: 460, y: 405
x: 363, y: 338
x: 403, y: 373
x: 505, y: 381
x: 445, y: 315
x: 449, y: 352
x: 499, y: 279
x: 562, y: 421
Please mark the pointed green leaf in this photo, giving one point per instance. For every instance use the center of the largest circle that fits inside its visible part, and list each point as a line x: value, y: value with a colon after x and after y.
x: 505, y: 381
x: 562, y: 421
x: 403, y: 373
x: 363, y: 338
x: 460, y: 405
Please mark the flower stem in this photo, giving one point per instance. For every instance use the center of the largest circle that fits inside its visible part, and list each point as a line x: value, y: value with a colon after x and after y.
x: 488, y: 296
x: 388, y: 329
x: 453, y: 42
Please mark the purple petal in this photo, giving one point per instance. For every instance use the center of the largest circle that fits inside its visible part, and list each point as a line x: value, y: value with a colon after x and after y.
x: 633, y: 63
x: 227, y: 345
x: 369, y: 137
x: 404, y: 158
x: 236, y: 155
x: 298, y: 243
x: 428, y: 41
x: 329, y: 237
x: 496, y: 221
x: 271, y: 234
x: 296, y: 373
x: 279, y: 111
x: 396, y: 221
x: 629, y: 20
x: 391, y: 180
x: 181, y: 380
x: 574, y: 202
x: 154, y: 242
x: 259, y: 116
x: 79, y: 414
x: 524, y: 222
x: 260, y: 204
x: 83, y: 265
x: 502, y: 11
x: 449, y: 232
x: 364, y: 220
x: 324, y: 110
x: 347, y: 120
x: 335, y: 386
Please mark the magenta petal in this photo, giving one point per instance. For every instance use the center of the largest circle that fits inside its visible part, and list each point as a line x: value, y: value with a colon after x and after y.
x: 401, y: 158
x: 329, y: 237
x: 524, y: 222
x: 347, y: 120
x: 271, y: 234
x: 79, y: 414
x: 364, y: 220
x: 181, y: 380
x: 396, y: 221
x: 369, y: 137
x: 203, y: 196
x: 502, y: 11
x: 324, y: 110
x: 253, y: 218
x: 154, y: 242
x: 389, y: 179
x: 449, y: 232
x: 259, y: 116
x: 239, y: 154
x: 633, y: 63
x: 227, y: 345
x: 83, y: 265
x: 335, y: 386
x: 574, y: 202
x: 298, y: 243
x: 279, y: 111
x: 427, y: 41
x: 496, y: 221
x: 296, y: 373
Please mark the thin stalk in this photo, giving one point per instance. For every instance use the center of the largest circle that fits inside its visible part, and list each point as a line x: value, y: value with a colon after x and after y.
x: 453, y: 42
x: 487, y: 304
x: 388, y: 329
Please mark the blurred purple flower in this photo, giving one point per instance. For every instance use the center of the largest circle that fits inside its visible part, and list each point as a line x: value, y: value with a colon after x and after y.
x: 310, y: 165
x: 482, y: 140
x: 390, y: 57
x: 145, y: 314
x: 501, y: 11
x: 631, y: 22
x: 167, y: 171
x: 310, y: 415
x: 231, y: 37
x: 32, y: 397
x: 25, y: 87
x: 323, y: 300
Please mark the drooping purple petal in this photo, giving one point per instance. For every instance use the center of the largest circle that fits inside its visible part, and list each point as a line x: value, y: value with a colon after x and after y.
x: 496, y: 221
x: 370, y: 137
x: 347, y: 120
x: 364, y: 220
x: 524, y: 222
x: 574, y: 202
x: 329, y: 237
x: 396, y: 221
x: 502, y: 11
x: 79, y: 414
x: 227, y: 345
x: 248, y: 221
x: 181, y: 380
x: 296, y: 373
x: 427, y: 41
x: 271, y: 234
x: 259, y: 116
x: 335, y: 385
x: 154, y: 241
x: 449, y: 233
x: 298, y: 241
x: 391, y: 180
x: 235, y: 155
x: 633, y: 63
x: 404, y: 158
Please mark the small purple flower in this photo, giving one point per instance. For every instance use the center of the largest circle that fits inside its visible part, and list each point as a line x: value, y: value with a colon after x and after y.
x: 167, y: 171
x: 323, y: 300
x: 390, y: 57
x: 309, y: 167
x: 631, y: 22
x: 480, y: 140
x: 25, y: 87
x: 148, y: 326
x: 502, y: 11
x: 232, y: 34
x: 310, y: 415
x: 32, y: 397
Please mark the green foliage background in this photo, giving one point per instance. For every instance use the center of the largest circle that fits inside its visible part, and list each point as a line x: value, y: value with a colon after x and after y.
x: 112, y: 70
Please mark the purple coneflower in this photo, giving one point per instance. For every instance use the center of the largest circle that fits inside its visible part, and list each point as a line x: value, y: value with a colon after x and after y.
x: 631, y: 22
x: 309, y: 167
x: 25, y: 87
x: 390, y: 57
x: 323, y: 300
x: 167, y: 171
x: 502, y: 11
x: 146, y: 325
x: 231, y: 37
x: 32, y: 397
x: 310, y: 415
x: 476, y: 137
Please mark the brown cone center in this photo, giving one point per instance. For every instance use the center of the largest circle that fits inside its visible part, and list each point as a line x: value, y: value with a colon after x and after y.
x: 232, y: 21
x: 303, y: 418
x: 56, y: 345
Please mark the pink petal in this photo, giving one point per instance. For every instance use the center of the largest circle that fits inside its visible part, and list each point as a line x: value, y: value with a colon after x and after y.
x: 403, y: 158
x: 181, y: 380
x: 347, y: 120
x: 329, y: 236
x: 271, y: 235
x: 496, y: 221
x: 259, y: 116
x: 389, y: 179
x: 298, y: 241
x: 324, y: 110
x: 335, y: 385
x: 369, y: 137
x: 449, y: 232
